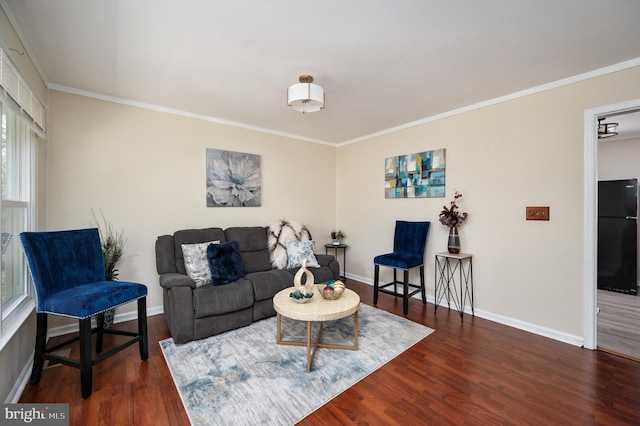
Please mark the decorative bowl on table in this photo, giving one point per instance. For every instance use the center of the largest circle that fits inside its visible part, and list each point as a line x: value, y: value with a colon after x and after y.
x: 301, y: 295
x: 333, y: 290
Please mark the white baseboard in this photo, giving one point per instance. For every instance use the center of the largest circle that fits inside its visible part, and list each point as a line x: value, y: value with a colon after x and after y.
x: 21, y: 383
x: 501, y: 319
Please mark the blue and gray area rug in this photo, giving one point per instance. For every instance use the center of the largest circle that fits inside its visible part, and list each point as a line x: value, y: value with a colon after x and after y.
x: 243, y: 377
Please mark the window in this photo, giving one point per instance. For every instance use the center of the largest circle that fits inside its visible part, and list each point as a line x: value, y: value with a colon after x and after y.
x: 16, y: 179
x: 22, y: 122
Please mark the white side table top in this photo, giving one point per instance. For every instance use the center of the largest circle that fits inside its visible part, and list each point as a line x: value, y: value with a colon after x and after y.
x: 459, y: 256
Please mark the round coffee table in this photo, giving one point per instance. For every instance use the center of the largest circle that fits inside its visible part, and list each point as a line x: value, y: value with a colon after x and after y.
x: 318, y: 309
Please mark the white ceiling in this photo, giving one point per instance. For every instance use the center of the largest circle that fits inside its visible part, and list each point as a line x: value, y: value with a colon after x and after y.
x: 383, y: 63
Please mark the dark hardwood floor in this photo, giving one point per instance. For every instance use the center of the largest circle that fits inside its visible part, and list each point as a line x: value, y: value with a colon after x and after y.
x: 476, y: 373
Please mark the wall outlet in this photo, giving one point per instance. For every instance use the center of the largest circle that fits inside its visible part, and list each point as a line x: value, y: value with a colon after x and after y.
x: 537, y: 213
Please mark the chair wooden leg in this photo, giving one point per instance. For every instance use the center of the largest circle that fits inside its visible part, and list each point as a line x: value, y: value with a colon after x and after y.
x: 41, y: 342
x: 100, y: 332
x: 143, y: 344
x: 376, y: 276
x: 86, y: 362
x: 395, y: 281
x: 405, y: 297
x: 422, y: 286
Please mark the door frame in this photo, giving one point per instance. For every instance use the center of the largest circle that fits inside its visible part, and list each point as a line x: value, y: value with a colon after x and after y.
x: 590, y: 230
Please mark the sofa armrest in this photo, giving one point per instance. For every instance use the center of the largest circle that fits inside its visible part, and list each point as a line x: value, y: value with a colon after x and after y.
x: 165, y: 255
x: 174, y: 279
x: 179, y: 313
x: 324, y: 259
x: 331, y: 262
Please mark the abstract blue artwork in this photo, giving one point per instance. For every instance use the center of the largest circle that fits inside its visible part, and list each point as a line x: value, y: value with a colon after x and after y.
x: 420, y: 175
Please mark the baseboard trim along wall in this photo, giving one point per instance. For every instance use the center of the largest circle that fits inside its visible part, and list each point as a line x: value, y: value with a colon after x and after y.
x: 521, y: 325
x: 21, y: 383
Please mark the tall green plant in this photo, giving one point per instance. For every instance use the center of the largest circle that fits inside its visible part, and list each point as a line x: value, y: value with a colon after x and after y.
x: 113, y: 243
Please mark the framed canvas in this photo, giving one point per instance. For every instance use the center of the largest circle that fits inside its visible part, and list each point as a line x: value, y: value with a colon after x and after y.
x: 233, y: 179
x: 419, y: 175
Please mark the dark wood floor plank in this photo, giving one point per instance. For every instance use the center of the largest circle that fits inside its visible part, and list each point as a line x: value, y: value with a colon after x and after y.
x: 476, y: 372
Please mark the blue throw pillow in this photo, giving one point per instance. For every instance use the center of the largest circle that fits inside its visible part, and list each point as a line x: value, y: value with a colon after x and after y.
x: 225, y: 261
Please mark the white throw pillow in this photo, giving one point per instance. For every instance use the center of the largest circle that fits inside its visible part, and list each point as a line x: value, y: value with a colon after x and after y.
x: 279, y: 233
x: 297, y: 251
x: 196, y: 263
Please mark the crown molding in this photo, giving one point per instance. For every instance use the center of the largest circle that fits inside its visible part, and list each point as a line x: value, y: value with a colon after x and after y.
x: 506, y: 98
x: 533, y: 90
x: 181, y: 113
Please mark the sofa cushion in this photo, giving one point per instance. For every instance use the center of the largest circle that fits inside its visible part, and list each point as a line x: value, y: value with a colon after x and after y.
x: 297, y: 251
x: 191, y: 236
x: 226, y: 262
x: 253, y: 246
x: 215, y: 300
x: 196, y: 262
x: 267, y: 283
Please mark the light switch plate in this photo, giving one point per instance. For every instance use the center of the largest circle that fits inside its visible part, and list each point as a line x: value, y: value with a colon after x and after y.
x: 538, y: 213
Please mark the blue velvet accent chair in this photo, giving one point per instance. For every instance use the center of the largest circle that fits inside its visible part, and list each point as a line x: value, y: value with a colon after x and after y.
x: 409, y: 241
x: 67, y: 268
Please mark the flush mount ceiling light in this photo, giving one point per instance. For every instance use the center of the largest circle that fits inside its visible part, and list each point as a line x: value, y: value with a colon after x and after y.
x: 606, y: 130
x: 305, y: 96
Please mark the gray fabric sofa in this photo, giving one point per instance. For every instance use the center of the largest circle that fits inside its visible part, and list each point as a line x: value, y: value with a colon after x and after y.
x: 197, y: 312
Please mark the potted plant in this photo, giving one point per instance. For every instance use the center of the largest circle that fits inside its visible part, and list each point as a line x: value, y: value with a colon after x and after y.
x: 336, y: 236
x: 452, y: 218
x: 113, y: 243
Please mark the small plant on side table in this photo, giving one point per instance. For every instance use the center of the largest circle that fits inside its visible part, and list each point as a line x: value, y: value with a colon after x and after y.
x: 336, y: 236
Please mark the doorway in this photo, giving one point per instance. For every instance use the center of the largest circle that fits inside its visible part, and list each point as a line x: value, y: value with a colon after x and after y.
x: 590, y: 212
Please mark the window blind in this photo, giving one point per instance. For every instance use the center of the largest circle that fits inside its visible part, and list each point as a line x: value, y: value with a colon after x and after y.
x: 18, y: 89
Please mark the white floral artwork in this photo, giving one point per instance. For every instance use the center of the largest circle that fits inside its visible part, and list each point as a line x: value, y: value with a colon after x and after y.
x: 233, y: 179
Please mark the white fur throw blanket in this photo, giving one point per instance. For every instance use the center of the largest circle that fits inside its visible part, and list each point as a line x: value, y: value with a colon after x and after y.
x: 279, y: 233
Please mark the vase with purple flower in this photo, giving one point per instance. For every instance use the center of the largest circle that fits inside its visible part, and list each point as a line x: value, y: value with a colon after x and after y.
x: 451, y: 217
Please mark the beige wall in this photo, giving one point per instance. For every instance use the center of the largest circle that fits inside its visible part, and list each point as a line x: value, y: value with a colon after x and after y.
x: 146, y: 171
x: 527, y: 151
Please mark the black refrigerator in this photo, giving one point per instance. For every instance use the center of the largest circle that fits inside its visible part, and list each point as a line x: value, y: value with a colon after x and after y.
x: 618, y: 235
